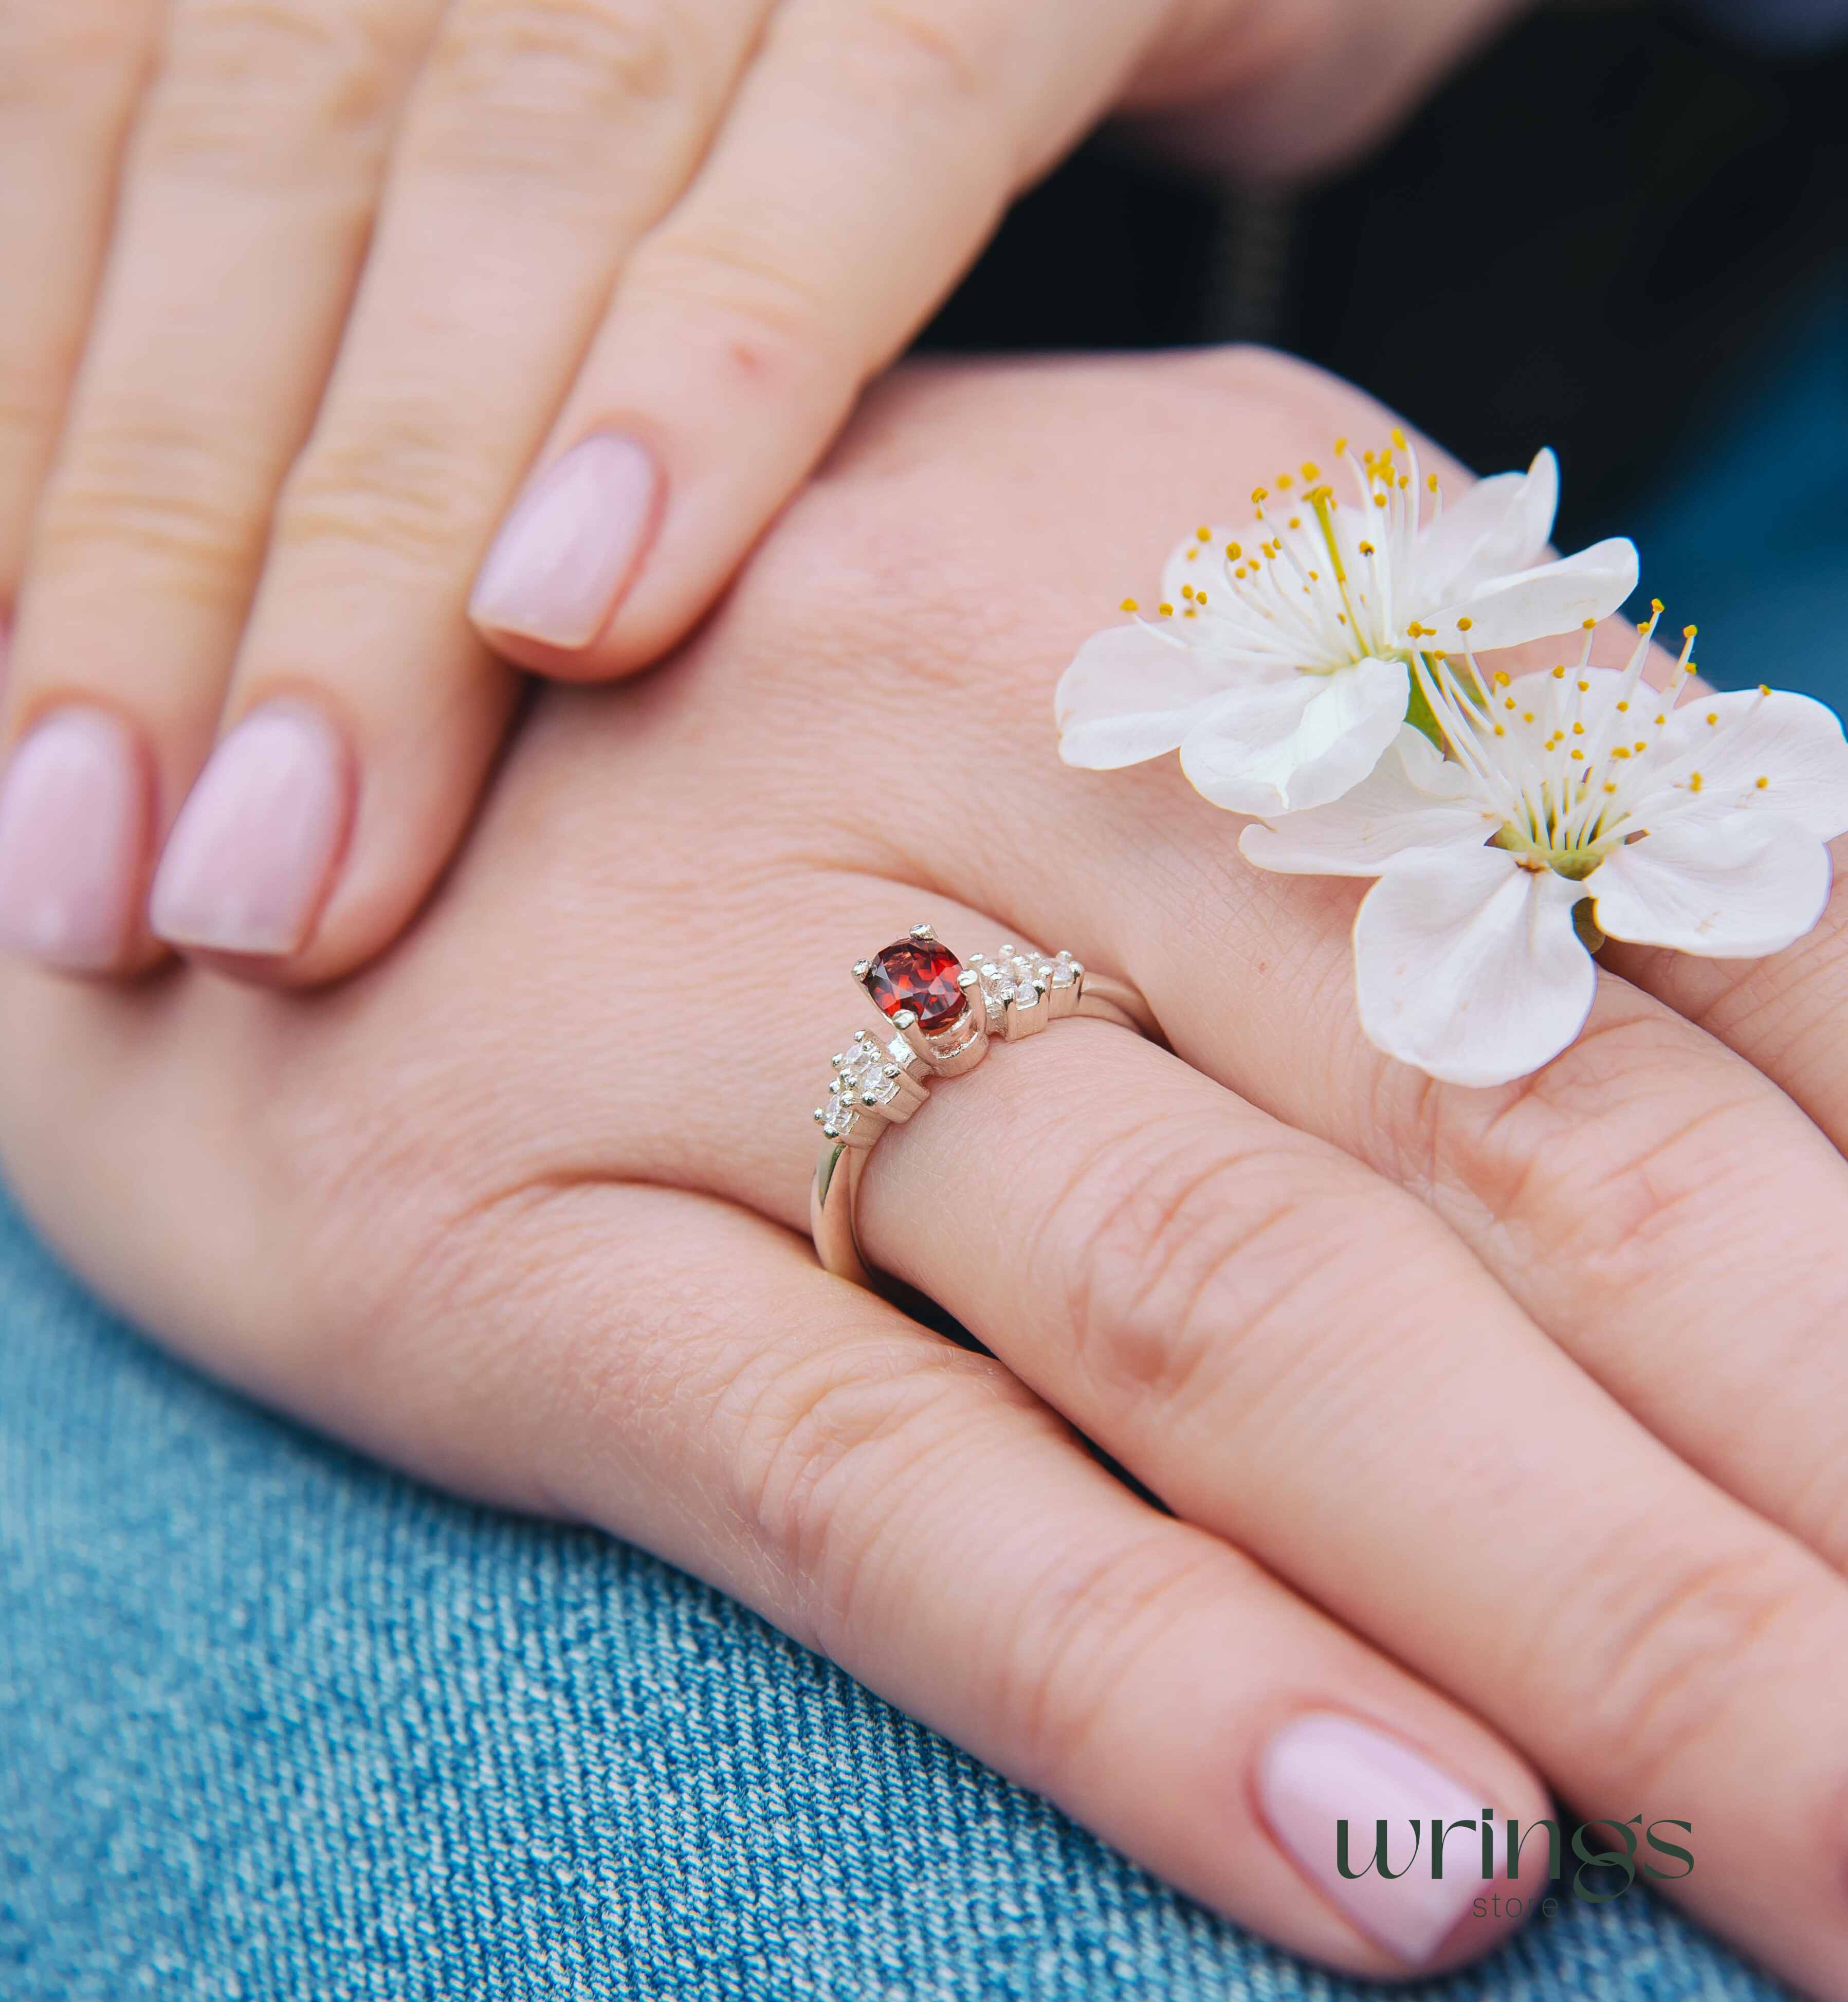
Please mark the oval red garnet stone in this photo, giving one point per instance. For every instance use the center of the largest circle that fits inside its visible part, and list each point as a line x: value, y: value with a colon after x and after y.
x: 917, y: 974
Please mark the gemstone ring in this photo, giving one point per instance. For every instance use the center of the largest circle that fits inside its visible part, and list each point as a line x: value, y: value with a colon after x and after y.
x: 945, y: 1013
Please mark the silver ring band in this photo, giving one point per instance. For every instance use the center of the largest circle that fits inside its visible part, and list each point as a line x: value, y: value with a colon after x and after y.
x: 945, y: 1013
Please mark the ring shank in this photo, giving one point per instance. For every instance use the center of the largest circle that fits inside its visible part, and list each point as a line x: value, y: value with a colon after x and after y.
x: 834, y: 1196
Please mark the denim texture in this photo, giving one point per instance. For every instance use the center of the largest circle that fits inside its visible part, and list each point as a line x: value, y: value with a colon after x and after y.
x: 275, y: 1722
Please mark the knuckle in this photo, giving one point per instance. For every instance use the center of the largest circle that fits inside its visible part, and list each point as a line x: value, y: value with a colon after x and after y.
x: 394, y: 479
x: 771, y: 330
x: 253, y: 87
x: 1670, y: 1654
x: 950, y: 54
x: 1080, y: 1637
x: 48, y: 48
x: 552, y: 87
x: 1618, y: 1139
x: 154, y: 490
x: 831, y: 1456
x: 1180, y: 1255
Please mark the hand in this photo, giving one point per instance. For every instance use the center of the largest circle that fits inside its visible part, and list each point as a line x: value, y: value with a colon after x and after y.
x: 1501, y: 1427
x: 374, y: 261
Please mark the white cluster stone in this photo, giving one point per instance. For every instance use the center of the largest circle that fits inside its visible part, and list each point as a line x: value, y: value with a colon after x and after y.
x: 1004, y: 973
x: 864, y: 1069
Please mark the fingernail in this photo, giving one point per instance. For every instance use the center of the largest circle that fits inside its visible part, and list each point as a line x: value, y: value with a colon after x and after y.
x: 246, y: 864
x: 1323, y: 1769
x: 564, y: 555
x: 73, y: 819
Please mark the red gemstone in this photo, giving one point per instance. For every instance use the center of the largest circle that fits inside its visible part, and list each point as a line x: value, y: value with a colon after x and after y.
x: 919, y: 974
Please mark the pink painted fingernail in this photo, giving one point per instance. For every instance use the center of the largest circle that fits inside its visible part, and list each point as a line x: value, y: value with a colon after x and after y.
x: 565, y: 554
x: 246, y: 865
x: 73, y: 822
x: 1321, y: 1770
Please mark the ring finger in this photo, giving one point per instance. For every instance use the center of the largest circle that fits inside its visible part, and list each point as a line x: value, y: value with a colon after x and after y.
x: 1296, y: 1356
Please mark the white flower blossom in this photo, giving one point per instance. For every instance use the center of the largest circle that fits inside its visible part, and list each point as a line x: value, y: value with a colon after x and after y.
x: 1278, y: 663
x: 1700, y: 828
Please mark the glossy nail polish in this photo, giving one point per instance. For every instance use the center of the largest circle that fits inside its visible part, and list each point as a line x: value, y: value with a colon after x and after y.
x: 567, y: 552
x: 73, y: 825
x: 1325, y: 1767
x: 246, y: 867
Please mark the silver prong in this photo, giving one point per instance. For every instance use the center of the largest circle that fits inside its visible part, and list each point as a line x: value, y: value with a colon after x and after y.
x: 820, y: 1115
x: 861, y: 968
x: 923, y: 934
x: 970, y: 982
x: 914, y: 1038
x: 1027, y: 1013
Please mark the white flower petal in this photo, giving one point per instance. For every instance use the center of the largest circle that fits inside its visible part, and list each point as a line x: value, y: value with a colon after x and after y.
x: 1552, y: 598
x: 1501, y: 525
x: 1133, y: 693
x: 1735, y: 887
x: 1296, y: 743
x: 1201, y: 565
x: 1467, y: 965
x: 1793, y: 743
x: 1413, y: 800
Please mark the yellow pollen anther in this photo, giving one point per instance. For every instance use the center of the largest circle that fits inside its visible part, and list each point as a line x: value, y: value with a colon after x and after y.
x: 1559, y: 674
x: 1610, y: 785
x: 1283, y: 479
x: 1623, y: 707
x: 1693, y: 782
x: 1500, y: 731
x: 1688, y: 631
x: 1764, y: 688
x: 1367, y: 549
x: 1205, y: 534
x: 1186, y: 591
x: 1129, y: 604
x: 1712, y: 716
x: 1508, y: 702
x: 1617, y: 751
x: 1166, y: 609
x: 1189, y: 613
x: 1295, y: 521
x: 1259, y: 495
x: 1233, y: 551
x: 1660, y: 720
x: 1655, y: 606
x: 1341, y: 445
x: 1642, y: 744
x: 1527, y: 716
x: 1763, y: 784
x: 1379, y: 499
x: 1589, y: 625
x: 1399, y: 439
x: 1465, y: 624
x: 1576, y: 752
x: 1200, y: 598
x: 1578, y: 730
x: 1311, y: 470
x: 1192, y: 552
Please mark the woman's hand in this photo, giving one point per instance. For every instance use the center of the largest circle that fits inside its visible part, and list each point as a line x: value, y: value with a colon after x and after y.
x: 371, y: 269
x: 1501, y: 1429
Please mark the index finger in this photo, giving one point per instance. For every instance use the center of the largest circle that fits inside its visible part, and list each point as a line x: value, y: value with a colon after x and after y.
x: 868, y: 153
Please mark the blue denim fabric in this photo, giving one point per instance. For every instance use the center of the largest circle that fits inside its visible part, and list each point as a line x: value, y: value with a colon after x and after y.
x: 276, y: 1723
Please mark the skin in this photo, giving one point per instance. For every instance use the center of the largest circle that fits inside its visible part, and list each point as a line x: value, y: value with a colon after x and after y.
x: 1505, y: 1420
x: 277, y: 248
